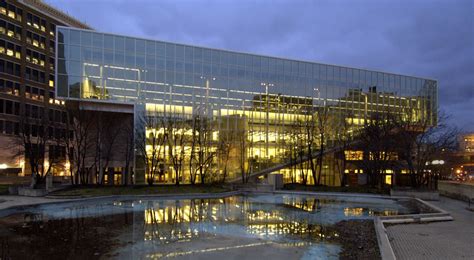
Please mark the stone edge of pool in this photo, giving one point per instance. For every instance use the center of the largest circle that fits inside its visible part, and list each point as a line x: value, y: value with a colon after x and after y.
x: 385, y: 248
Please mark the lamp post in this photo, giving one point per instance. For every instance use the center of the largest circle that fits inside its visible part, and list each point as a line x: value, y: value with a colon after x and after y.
x: 316, y: 90
x: 266, y: 85
x: 366, y: 101
x: 207, y: 80
x: 438, y: 164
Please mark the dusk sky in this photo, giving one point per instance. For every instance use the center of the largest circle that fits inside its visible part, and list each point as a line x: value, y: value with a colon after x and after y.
x: 431, y: 39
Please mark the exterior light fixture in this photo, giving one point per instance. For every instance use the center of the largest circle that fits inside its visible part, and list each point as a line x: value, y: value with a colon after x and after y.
x: 438, y: 162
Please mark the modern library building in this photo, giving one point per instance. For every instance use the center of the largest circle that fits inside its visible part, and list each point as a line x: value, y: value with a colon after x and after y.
x: 202, y: 115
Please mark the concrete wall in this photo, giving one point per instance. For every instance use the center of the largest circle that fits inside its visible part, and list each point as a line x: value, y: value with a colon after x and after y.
x: 462, y: 191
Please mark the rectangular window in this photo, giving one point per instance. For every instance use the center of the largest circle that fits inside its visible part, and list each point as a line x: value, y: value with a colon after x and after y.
x: 8, y: 107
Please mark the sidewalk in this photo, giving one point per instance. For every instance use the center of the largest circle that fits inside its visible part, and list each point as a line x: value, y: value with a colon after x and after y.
x: 438, y: 240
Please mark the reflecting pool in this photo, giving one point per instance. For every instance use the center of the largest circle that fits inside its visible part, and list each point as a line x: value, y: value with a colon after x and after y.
x: 244, y: 227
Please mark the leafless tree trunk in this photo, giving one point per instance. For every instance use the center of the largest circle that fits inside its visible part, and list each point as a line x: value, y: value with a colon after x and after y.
x: 151, y: 144
x: 377, y: 142
x: 36, y: 134
x: 322, y: 125
x: 128, y: 133
x: 175, y: 131
x: 420, y: 141
x: 202, y: 151
x: 343, y: 138
x: 244, y: 146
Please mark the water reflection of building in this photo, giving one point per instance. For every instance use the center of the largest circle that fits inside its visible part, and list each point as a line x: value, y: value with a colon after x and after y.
x: 260, y: 123
x: 186, y: 219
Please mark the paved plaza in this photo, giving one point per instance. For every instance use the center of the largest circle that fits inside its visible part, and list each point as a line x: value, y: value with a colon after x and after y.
x: 438, y: 240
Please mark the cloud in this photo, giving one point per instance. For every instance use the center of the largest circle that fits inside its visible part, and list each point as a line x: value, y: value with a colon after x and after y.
x: 432, y: 39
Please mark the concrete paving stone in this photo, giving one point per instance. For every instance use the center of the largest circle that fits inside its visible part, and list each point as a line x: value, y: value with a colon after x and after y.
x: 437, y: 240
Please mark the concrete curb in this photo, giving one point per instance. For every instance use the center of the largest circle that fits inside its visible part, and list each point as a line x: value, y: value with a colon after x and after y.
x: 385, y: 248
x: 147, y: 196
x: 65, y: 199
x: 339, y: 194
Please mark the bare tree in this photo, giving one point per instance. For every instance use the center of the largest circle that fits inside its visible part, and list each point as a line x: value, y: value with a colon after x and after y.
x: 289, y: 145
x: 244, y: 146
x: 129, y: 138
x: 376, y: 140
x: 150, y: 145
x: 175, y: 133
x: 40, y: 135
x: 420, y: 141
x: 342, y: 139
x: 106, y: 136
x: 79, y: 143
x: 310, y: 127
x: 322, y: 119
x: 202, y: 153
x: 224, y: 148
x: 301, y: 147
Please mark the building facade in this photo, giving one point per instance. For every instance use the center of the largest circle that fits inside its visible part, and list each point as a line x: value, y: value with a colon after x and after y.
x: 206, y: 113
x: 27, y: 85
x: 463, y: 166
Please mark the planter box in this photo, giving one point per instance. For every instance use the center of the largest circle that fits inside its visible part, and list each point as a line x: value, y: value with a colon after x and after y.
x: 13, y: 190
x: 27, y: 191
x: 424, y: 195
x: 456, y: 190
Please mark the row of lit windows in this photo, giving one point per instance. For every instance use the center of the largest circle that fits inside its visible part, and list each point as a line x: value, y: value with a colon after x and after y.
x: 34, y: 93
x: 35, y: 57
x: 9, y: 87
x: 359, y: 156
x: 10, y: 49
x: 40, y: 24
x: 13, y: 88
x: 11, y: 11
x: 31, y: 19
x: 36, y: 22
x: 10, y: 68
x: 36, y: 40
x: 11, y: 30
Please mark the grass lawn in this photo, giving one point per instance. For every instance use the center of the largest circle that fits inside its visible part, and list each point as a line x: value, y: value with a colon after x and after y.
x: 91, y: 191
x: 3, y: 189
x: 355, y: 189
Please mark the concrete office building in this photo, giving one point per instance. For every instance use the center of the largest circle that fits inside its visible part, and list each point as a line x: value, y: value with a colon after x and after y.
x: 27, y: 85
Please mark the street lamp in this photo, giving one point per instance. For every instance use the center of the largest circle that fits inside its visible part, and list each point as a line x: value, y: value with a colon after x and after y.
x: 366, y: 101
x: 207, y: 90
x: 266, y: 85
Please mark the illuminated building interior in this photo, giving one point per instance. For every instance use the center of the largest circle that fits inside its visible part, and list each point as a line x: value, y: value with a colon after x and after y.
x: 257, y: 107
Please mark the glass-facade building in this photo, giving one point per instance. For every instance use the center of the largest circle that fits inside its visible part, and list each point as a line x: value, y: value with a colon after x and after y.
x: 259, y: 98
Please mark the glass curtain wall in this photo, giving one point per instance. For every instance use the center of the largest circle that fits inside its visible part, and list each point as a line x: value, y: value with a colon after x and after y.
x: 251, y: 111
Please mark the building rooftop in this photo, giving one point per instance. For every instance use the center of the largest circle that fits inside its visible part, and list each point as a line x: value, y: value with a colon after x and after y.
x: 55, y: 13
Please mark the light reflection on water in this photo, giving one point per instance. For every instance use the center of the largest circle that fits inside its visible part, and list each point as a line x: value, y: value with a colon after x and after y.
x: 285, y: 220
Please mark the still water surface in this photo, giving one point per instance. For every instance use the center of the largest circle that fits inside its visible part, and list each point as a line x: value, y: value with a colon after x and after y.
x: 277, y: 226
